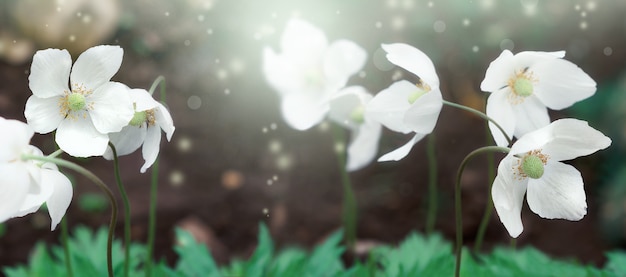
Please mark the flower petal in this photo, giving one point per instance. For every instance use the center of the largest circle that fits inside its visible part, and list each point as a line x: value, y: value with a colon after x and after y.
x: 303, y: 110
x: 530, y: 115
x: 14, y: 185
x: 499, y: 109
x: 562, y: 83
x: 563, y: 139
x: 342, y: 59
x: 414, y: 61
x: 150, y: 149
x: 422, y: 116
x: 142, y: 99
x: 78, y: 138
x: 281, y: 73
x: 402, y: 151
x: 50, y: 72
x: 96, y: 66
x: 43, y: 114
x: 112, y: 107
x: 498, y: 72
x: 16, y: 142
x: 390, y: 105
x: 559, y: 193
x: 344, y: 104
x: 526, y: 59
x: 61, y: 196
x: 364, y: 145
x: 303, y: 43
x: 126, y: 141
x: 508, y: 196
x: 164, y: 120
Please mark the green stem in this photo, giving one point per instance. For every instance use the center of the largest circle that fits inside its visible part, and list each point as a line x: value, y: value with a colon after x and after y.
x: 152, y: 216
x: 66, y: 247
x: 349, y: 201
x: 480, y: 114
x: 159, y: 80
x: 457, y: 201
x: 491, y: 175
x: 432, y: 184
x: 120, y: 186
x: 513, y: 243
x: 101, y: 185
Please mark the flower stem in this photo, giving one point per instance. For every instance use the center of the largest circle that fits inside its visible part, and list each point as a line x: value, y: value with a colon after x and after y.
x: 159, y: 80
x: 120, y: 186
x: 66, y: 247
x: 491, y: 174
x: 457, y: 201
x: 98, y: 183
x: 152, y: 216
x: 480, y: 114
x: 432, y: 184
x: 349, y: 201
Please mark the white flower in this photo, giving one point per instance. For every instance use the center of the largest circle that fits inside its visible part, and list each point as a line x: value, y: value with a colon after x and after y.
x: 348, y: 109
x: 309, y: 71
x: 92, y: 108
x: 523, y: 85
x: 405, y: 107
x: 26, y: 184
x: 533, y: 167
x: 145, y: 128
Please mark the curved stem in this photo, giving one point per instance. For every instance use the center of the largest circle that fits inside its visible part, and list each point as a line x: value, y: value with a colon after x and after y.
x: 152, y: 216
x: 480, y: 114
x: 432, y: 184
x: 157, y: 81
x: 101, y: 185
x: 66, y: 248
x: 349, y: 201
x: 491, y: 175
x: 120, y: 186
x: 457, y: 200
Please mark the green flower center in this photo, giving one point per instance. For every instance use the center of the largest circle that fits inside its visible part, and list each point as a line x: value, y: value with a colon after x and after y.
x: 138, y: 118
x: 533, y: 165
x: 415, y: 95
x: 76, y: 102
x: 358, y: 114
x: 522, y: 86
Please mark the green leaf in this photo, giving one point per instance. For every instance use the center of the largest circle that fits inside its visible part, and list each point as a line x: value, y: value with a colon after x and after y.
x: 194, y: 258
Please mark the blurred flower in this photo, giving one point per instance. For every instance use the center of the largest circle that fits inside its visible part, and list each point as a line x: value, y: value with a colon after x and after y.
x: 404, y: 107
x: 144, y: 128
x: 92, y: 108
x: 533, y: 166
x: 309, y: 71
x: 26, y: 184
x: 523, y: 85
x: 348, y: 109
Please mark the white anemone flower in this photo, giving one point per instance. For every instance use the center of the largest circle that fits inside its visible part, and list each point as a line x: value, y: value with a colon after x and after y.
x: 84, y: 113
x: 523, y: 85
x: 26, y: 184
x: 347, y: 108
x: 405, y: 107
x: 533, y: 166
x: 144, y: 129
x: 309, y: 71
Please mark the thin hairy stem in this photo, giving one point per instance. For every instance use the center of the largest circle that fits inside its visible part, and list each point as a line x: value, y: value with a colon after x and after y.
x: 431, y: 217
x: 126, y: 202
x: 152, y: 216
x: 349, y: 201
x: 480, y: 114
x: 66, y: 247
x: 491, y: 175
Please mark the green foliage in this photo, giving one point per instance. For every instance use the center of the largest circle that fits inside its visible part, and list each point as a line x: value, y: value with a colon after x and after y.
x: 417, y: 255
x: 93, y: 202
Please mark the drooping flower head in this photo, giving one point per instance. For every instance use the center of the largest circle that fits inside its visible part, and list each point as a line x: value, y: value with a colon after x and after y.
x: 533, y: 167
x: 523, y: 85
x: 144, y: 129
x: 405, y: 107
x: 347, y: 108
x: 26, y: 184
x: 88, y: 109
x: 309, y: 71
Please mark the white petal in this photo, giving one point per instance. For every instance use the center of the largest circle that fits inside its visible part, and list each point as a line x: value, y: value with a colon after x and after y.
x: 414, y: 61
x: 530, y: 115
x: 342, y: 59
x: 303, y: 110
x: 281, y: 73
x: 126, y: 141
x: 150, y: 149
x: 559, y: 193
x: 390, y: 105
x: 112, y: 107
x: 344, y: 104
x: 422, y: 116
x: 562, y: 83
x: 142, y: 99
x: 78, y: 138
x: 563, y: 139
x: 50, y: 72
x: 498, y: 72
x: 303, y: 43
x: 364, y: 146
x: 527, y: 59
x: 500, y: 110
x: 402, y: 151
x: 14, y: 185
x: 11, y: 146
x: 43, y: 114
x: 61, y: 196
x: 508, y: 196
x: 164, y: 120
x: 96, y: 66
x: 38, y: 194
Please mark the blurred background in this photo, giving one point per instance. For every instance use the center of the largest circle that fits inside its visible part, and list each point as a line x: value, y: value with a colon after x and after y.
x: 233, y: 162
